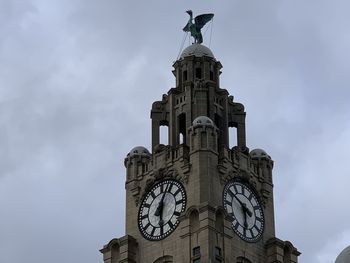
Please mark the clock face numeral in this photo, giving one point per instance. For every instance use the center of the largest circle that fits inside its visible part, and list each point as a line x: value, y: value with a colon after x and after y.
x: 160, y: 209
x: 242, y: 203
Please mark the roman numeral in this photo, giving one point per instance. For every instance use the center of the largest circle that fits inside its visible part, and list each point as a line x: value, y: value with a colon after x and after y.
x: 242, y: 190
x: 144, y: 217
x: 171, y: 225
x: 230, y: 193
x: 170, y: 187
x: 146, y: 226
x: 228, y: 202
x: 153, y: 195
x: 154, y: 229
x: 161, y: 230
x: 176, y: 213
x: 251, y: 233
x: 258, y: 219
x: 178, y: 202
x: 177, y: 191
x: 147, y: 205
x: 236, y: 225
x: 235, y: 187
x: 250, y: 197
x: 256, y: 207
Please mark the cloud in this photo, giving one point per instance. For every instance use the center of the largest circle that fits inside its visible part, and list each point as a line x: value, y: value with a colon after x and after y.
x: 77, y: 80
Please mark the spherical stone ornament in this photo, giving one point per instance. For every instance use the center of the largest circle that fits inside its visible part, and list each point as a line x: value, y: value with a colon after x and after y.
x: 344, y: 256
x: 138, y: 151
x: 203, y: 121
x: 259, y: 153
x: 197, y: 50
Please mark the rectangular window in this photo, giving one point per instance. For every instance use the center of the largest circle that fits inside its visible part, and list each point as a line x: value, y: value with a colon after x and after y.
x: 196, y: 255
x: 198, y: 73
x: 218, y: 257
x: 197, y: 252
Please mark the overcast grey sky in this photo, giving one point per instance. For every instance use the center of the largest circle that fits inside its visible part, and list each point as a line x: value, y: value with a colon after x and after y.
x: 77, y: 80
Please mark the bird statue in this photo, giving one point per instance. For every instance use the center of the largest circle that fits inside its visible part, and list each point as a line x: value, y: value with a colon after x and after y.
x: 195, y: 28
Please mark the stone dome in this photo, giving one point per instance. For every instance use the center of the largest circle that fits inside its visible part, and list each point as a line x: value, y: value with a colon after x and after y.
x: 197, y: 50
x: 203, y: 121
x: 259, y: 153
x: 139, y: 151
x: 344, y: 256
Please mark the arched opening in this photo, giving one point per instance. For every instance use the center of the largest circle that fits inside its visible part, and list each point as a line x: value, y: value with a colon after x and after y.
x: 182, y: 128
x: 232, y: 133
x: 164, y: 133
x: 194, y: 221
x: 198, y: 73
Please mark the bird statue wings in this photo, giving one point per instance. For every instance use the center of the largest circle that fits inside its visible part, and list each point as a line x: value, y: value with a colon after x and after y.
x: 195, y: 28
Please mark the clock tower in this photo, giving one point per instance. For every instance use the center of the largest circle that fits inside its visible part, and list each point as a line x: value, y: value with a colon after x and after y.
x: 195, y: 199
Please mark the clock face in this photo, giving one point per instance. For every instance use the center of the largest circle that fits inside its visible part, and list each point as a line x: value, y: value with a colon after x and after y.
x: 242, y: 203
x: 160, y: 209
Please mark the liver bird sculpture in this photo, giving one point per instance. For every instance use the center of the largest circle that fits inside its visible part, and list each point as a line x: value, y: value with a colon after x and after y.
x: 195, y: 28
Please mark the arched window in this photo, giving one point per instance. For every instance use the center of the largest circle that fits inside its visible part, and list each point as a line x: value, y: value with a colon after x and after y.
x: 243, y: 260
x: 164, y: 259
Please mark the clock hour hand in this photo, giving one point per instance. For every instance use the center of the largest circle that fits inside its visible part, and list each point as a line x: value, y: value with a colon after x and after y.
x: 247, y: 210
x: 245, y: 219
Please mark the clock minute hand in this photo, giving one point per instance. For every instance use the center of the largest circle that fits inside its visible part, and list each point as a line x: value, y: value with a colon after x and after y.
x: 159, y: 211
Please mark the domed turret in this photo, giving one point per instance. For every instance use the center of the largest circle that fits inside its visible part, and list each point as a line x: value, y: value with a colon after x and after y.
x: 196, y: 50
x: 344, y: 256
x: 138, y: 154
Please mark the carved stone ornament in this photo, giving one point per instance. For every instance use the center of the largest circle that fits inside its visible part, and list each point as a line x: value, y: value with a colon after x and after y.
x: 157, y: 175
x: 226, y: 176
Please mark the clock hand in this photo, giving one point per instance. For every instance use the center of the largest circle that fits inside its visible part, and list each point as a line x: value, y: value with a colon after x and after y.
x: 245, y: 219
x: 244, y: 207
x: 244, y: 211
x: 247, y: 210
x: 159, y: 211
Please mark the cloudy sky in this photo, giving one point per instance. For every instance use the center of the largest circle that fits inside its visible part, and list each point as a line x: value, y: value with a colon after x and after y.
x: 77, y: 80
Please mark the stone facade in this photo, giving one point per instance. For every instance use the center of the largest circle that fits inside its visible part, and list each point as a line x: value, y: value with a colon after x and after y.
x: 198, y: 114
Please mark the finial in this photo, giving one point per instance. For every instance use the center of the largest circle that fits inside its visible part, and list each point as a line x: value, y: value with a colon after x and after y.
x: 195, y: 28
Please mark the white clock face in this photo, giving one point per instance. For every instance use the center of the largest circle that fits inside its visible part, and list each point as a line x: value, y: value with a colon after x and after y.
x: 160, y: 209
x: 241, y: 202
